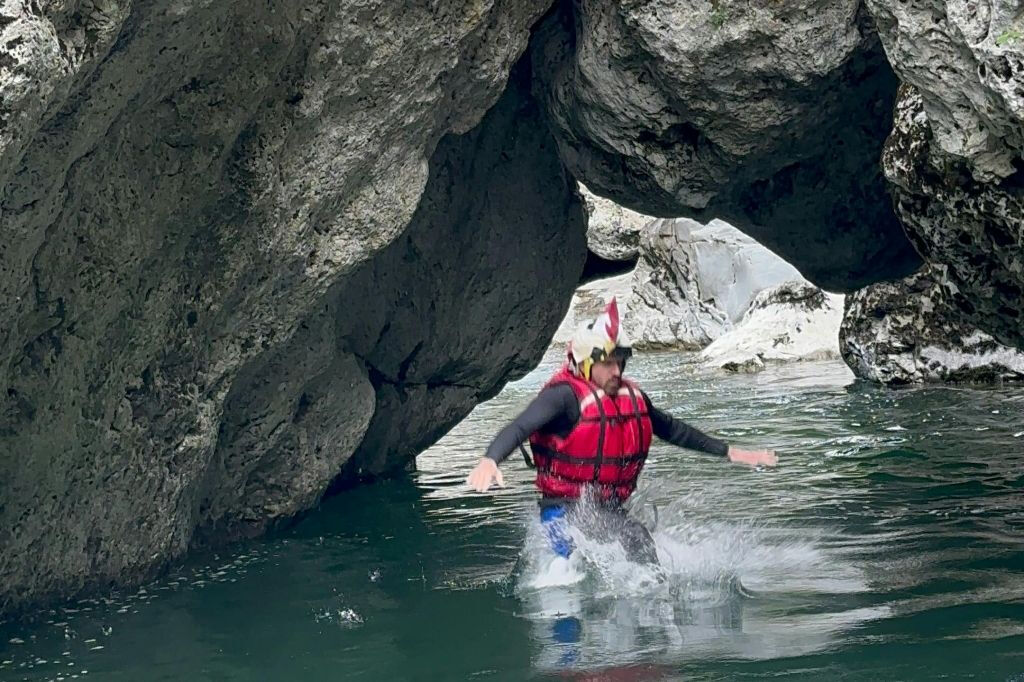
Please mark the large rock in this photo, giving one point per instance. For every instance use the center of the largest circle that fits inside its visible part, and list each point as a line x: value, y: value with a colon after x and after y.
x: 613, y: 231
x: 695, y: 282
x: 965, y: 58
x: 770, y: 115
x: 955, y: 154
x: 469, y: 296
x: 792, y: 322
x: 907, y: 332
x: 972, y: 227
x: 192, y: 195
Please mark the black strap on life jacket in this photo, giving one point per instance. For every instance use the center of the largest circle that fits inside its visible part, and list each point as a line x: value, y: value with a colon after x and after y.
x: 579, y: 460
x: 526, y: 457
x: 599, y: 458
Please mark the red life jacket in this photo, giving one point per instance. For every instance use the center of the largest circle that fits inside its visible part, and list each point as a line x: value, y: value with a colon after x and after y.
x: 607, y: 447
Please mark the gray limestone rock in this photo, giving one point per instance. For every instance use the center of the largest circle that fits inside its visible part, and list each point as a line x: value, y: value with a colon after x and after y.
x: 907, y: 332
x: 955, y: 154
x: 186, y: 191
x: 769, y: 115
x: 790, y: 322
x: 457, y: 306
x: 974, y: 228
x: 965, y: 58
x: 695, y: 282
x: 613, y: 231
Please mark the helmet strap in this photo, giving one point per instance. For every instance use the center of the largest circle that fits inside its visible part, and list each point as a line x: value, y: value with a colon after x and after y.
x: 580, y: 369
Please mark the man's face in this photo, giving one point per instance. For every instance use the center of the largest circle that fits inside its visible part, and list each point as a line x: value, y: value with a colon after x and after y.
x: 607, y: 375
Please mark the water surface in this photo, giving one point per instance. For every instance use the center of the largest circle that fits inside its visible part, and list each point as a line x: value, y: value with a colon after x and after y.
x: 887, y: 546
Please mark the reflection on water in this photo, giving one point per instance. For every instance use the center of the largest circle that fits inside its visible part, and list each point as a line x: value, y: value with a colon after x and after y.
x: 887, y: 546
x: 716, y: 594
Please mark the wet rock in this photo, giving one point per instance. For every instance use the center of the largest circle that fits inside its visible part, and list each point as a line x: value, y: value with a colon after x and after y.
x: 452, y: 316
x: 906, y: 332
x: 974, y: 228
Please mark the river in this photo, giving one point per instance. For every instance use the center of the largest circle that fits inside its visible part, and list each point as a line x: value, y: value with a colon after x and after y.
x: 886, y: 546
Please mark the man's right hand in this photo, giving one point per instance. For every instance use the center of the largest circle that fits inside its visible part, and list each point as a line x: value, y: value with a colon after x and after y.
x: 484, y: 474
x: 753, y: 458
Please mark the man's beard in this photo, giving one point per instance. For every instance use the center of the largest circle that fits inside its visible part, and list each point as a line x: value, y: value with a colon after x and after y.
x: 612, y: 386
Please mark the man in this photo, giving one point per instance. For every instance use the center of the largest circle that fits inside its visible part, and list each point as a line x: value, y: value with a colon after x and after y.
x: 590, y: 430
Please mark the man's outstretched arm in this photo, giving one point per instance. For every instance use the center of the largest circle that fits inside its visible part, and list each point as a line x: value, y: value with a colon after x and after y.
x: 675, y: 431
x: 553, y: 405
x: 679, y: 433
x: 553, y: 408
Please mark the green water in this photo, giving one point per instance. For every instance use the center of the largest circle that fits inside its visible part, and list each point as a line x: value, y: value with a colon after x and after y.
x: 887, y: 546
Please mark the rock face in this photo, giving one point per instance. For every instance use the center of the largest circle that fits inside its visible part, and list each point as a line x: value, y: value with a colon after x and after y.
x: 245, y: 247
x: 965, y: 59
x: 973, y: 227
x: 695, y: 282
x: 791, y: 322
x: 770, y: 115
x: 457, y: 307
x: 954, y: 156
x: 193, y: 196
x: 906, y: 332
x: 613, y: 231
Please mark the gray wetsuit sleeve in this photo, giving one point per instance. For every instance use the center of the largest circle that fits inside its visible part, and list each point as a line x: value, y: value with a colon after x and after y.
x: 555, y: 409
x: 675, y: 431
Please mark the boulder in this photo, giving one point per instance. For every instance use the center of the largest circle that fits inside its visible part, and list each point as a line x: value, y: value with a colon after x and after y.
x: 792, y: 322
x: 695, y: 282
x: 907, y: 332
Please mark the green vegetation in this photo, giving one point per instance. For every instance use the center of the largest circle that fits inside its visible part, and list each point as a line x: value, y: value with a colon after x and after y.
x: 719, y: 14
x: 1008, y: 37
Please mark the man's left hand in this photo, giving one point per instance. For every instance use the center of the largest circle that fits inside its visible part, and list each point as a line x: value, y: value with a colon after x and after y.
x: 754, y: 458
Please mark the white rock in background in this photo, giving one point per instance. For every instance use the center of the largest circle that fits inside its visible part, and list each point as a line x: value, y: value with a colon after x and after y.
x: 613, y: 231
x: 794, y: 321
x: 588, y: 302
x: 695, y: 282
x: 696, y: 285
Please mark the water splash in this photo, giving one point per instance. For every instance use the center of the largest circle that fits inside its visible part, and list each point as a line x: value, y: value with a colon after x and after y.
x: 712, y: 586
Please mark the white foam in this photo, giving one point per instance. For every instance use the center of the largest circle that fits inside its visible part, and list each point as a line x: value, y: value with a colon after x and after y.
x: 709, y: 589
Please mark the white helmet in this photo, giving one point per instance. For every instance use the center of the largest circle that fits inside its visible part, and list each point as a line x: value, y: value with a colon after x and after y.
x: 598, y: 341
